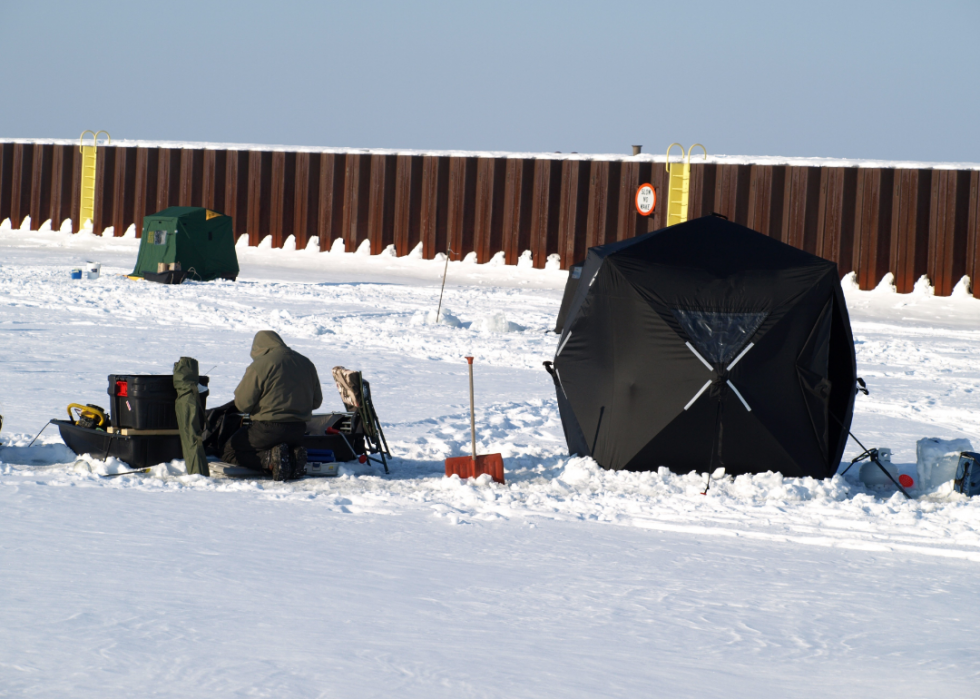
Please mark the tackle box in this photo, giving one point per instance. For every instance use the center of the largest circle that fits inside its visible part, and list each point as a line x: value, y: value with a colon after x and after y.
x: 340, y: 433
x: 321, y: 462
x: 145, y: 401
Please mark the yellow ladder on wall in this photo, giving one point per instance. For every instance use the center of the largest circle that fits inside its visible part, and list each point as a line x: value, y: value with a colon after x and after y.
x: 86, y: 209
x: 679, y: 188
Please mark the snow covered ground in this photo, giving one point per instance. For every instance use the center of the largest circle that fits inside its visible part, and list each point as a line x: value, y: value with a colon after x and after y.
x: 568, y: 581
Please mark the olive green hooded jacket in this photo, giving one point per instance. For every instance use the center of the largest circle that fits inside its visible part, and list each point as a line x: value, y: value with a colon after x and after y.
x: 280, y: 385
x: 190, y: 415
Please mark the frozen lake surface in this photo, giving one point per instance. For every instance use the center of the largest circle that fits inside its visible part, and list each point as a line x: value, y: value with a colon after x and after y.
x: 567, y: 582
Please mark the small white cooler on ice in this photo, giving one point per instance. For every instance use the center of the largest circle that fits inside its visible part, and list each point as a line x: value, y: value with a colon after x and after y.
x: 322, y: 468
x: 321, y: 462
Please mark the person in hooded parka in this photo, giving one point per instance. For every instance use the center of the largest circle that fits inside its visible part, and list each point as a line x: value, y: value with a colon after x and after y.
x: 280, y: 391
x: 706, y: 345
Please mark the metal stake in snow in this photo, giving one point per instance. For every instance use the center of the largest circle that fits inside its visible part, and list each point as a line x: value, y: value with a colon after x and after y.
x: 444, y: 270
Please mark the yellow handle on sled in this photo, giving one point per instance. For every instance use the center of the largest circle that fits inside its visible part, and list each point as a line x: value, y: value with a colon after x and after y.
x: 86, y: 411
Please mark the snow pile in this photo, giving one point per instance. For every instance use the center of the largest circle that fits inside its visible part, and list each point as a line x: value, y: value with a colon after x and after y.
x: 834, y: 513
x: 886, y: 285
x: 923, y: 287
x: 544, y: 483
x: 963, y: 289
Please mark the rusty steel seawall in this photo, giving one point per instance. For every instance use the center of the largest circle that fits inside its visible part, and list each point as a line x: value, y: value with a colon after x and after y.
x: 872, y: 221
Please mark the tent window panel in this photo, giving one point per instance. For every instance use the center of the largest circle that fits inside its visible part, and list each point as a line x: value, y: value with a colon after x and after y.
x: 158, y: 237
x: 719, y: 336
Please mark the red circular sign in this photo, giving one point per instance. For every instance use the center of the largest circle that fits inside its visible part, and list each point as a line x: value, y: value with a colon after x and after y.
x: 646, y: 199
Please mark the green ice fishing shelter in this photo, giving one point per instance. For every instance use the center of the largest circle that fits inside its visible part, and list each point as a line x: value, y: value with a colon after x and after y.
x: 201, y: 240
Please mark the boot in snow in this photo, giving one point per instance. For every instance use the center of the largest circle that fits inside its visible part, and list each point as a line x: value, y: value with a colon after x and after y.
x: 299, y: 461
x: 279, y: 461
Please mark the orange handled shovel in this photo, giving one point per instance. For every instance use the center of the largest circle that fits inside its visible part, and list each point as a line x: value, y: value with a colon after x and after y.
x: 473, y: 466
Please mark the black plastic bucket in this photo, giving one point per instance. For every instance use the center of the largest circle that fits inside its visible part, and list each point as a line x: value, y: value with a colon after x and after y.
x: 145, y: 401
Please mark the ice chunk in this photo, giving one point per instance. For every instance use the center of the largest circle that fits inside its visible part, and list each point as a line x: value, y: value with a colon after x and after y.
x: 429, y: 318
x: 933, y: 469
x: 945, y: 468
x: 495, y: 323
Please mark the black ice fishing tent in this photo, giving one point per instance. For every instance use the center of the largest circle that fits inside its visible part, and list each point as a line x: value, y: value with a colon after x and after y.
x: 201, y: 240
x: 706, y: 344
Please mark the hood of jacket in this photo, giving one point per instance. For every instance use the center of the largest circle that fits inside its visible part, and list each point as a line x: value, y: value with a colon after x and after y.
x: 265, y: 341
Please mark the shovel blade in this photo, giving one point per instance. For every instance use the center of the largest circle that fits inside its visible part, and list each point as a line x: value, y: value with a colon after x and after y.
x: 468, y: 467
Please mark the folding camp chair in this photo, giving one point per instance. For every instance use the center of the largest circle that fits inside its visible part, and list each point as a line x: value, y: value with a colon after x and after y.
x: 355, y: 393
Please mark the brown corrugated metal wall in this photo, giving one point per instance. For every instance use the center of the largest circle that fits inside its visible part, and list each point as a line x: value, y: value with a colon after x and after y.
x: 869, y: 220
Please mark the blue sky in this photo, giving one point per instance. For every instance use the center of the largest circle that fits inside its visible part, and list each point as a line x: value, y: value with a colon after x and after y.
x: 890, y: 80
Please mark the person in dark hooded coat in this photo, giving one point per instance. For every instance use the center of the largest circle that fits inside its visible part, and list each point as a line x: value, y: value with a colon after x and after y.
x: 280, y: 391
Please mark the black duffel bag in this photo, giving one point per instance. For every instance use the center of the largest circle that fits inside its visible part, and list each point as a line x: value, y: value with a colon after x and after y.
x: 219, y: 425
